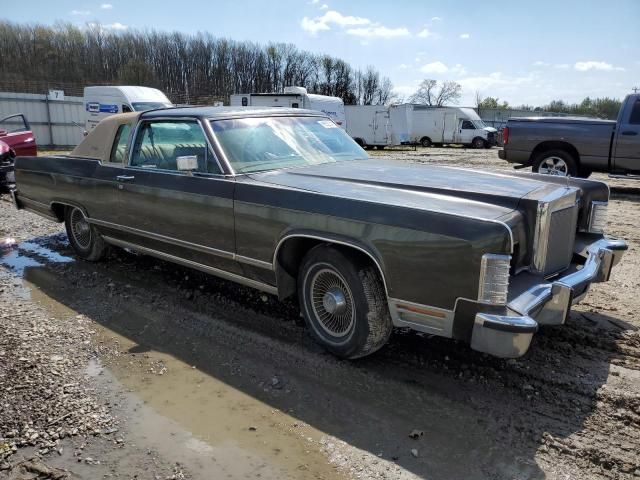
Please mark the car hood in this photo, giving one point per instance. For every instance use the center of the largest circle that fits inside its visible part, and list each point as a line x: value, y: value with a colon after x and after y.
x: 490, y: 129
x: 447, y: 189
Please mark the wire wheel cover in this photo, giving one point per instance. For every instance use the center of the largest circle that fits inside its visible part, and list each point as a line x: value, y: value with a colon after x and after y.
x: 80, y: 229
x: 332, y: 302
x: 554, y: 166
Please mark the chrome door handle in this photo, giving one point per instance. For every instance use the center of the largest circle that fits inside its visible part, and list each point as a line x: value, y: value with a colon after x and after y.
x: 125, y: 178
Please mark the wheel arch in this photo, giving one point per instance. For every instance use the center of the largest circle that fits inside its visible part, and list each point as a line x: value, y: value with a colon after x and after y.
x: 555, y: 145
x: 58, y: 207
x: 292, y: 248
x: 425, y: 137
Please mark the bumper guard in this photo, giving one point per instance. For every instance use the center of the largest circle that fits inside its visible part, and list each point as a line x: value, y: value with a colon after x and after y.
x: 549, y: 303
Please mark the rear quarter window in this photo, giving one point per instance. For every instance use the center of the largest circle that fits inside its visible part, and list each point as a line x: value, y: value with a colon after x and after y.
x: 634, y: 119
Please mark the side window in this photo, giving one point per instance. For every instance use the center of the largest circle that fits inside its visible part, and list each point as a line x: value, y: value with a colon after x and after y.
x: 634, y: 119
x: 14, y: 124
x: 126, y: 108
x: 467, y: 125
x: 159, y: 144
x: 120, y: 144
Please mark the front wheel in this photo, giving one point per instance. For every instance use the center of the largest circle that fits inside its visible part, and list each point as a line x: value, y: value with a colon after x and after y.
x: 83, y: 237
x: 425, y: 142
x: 343, y: 302
x: 478, y: 143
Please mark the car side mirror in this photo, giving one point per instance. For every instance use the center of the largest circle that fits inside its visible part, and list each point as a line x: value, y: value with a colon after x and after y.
x: 187, y: 163
x: 3, y: 132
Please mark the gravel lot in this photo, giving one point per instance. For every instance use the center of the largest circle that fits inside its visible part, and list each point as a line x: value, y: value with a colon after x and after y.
x: 135, y: 368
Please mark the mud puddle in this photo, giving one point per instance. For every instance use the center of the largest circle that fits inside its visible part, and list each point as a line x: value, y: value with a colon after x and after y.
x: 172, y: 408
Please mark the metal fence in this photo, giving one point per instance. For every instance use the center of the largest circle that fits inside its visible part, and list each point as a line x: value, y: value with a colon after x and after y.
x: 56, y: 123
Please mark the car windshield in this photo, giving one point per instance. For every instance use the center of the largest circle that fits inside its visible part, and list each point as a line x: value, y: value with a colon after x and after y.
x: 142, y: 106
x: 479, y: 124
x: 268, y: 143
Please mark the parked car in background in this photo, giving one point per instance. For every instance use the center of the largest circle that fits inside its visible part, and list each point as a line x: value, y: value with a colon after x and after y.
x: 285, y: 201
x: 294, y: 97
x: 450, y: 125
x: 576, y: 146
x: 16, y: 138
x: 104, y: 100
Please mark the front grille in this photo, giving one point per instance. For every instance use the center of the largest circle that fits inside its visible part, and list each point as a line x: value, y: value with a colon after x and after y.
x: 562, y: 235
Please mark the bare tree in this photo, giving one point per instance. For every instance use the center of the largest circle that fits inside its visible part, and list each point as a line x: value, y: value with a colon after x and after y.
x: 435, y: 94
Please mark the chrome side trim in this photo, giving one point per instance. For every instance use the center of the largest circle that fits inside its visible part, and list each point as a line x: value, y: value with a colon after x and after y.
x: 163, y: 238
x: 181, y: 243
x: 198, y: 266
x: 253, y: 262
x: 330, y: 240
x: 422, y: 318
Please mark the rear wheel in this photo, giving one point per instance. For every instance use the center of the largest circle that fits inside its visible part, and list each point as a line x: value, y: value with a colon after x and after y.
x: 84, y: 238
x: 343, y: 302
x: 555, y: 162
x: 425, y: 142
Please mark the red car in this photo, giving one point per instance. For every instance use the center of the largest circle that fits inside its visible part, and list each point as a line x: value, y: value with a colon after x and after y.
x: 16, y: 138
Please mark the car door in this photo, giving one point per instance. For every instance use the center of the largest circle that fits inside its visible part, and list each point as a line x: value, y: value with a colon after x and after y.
x: 183, y: 214
x: 466, y: 132
x: 16, y: 132
x: 627, y: 145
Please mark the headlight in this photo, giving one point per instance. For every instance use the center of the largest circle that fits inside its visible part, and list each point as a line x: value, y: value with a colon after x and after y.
x: 494, y: 279
x: 598, y: 217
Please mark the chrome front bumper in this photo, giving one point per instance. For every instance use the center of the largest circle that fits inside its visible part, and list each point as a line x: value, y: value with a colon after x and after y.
x: 509, y: 335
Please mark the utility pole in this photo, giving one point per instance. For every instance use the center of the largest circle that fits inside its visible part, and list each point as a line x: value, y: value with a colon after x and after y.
x: 635, y: 89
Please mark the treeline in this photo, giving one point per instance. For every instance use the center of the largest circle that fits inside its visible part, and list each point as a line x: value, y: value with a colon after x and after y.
x: 189, y: 67
x: 593, y: 107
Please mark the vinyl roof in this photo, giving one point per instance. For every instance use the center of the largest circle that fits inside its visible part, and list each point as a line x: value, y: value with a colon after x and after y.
x: 226, y: 112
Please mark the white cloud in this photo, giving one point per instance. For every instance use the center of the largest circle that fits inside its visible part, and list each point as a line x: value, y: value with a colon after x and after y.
x: 82, y: 13
x: 116, y: 26
x: 458, y: 69
x: 324, y: 6
x: 434, y: 67
x: 379, y: 31
x: 595, y: 65
x: 357, y: 26
x: 313, y: 2
x: 465, y: 36
x: 403, y: 66
x: 562, y: 66
x: 540, y: 63
x: 425, y: 33
x: 494, y: 80
x: 436, y: 19
x: 110, y: 26
x: 106, y: 6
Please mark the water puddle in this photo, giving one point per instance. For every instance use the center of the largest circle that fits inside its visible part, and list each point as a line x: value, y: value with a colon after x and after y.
x: 170, y: 407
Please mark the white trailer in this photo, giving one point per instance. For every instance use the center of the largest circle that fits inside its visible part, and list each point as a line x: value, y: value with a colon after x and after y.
x: 104, y: 100
x: 379, y: 125
x: 450, y: 125
x: 293, y: 97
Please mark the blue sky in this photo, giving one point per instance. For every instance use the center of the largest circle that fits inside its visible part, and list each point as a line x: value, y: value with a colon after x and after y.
x: 520, y: 51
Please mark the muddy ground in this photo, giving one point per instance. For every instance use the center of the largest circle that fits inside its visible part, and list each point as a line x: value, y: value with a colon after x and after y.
x: 135, y: 368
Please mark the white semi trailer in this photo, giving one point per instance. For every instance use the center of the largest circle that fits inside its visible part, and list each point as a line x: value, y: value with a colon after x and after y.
x: 450, y: 125
x: 293, y: 97
x: 379, y: 125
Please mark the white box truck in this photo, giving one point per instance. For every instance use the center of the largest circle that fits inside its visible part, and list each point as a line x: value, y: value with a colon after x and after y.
x: 379, y: 125
x: 104, y: 100
x: 293, y: 97
x: 450, y: 125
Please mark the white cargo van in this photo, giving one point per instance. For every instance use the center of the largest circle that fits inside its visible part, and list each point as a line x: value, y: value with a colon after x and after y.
x: 293, y: 97
x: 379, y: 125
x: 104, y: 100
x: 450, y: 125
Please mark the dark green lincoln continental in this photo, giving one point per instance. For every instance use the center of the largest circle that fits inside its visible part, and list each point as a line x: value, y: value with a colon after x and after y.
x: 284, y: 201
